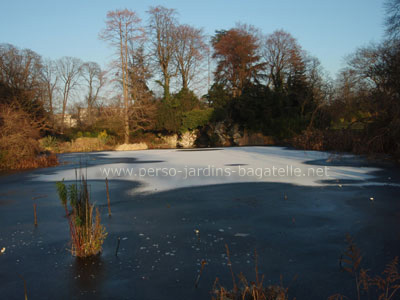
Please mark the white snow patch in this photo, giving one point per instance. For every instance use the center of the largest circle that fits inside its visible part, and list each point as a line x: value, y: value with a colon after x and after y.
x: 179, y: 163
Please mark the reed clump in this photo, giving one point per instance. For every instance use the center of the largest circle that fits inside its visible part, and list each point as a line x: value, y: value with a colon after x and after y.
x: 86, y: 231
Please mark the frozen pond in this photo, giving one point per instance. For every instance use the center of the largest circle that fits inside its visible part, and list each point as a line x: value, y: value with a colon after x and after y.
x: 294, y: 207
x: 161, y: 170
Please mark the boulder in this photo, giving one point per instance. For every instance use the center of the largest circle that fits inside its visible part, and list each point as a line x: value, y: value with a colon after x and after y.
x: 236, y: 134
x: 188, y: 139
x: 222, y: 136
x: 169, y: 141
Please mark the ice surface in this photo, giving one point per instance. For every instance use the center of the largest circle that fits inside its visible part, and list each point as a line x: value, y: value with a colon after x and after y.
x: 179, y: 164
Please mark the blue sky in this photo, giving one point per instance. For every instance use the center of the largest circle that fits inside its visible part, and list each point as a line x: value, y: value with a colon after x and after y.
x: 325, y: 28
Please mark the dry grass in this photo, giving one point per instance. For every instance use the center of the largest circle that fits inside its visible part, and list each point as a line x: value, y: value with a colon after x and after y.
x: 83, y: 144
x: 41, y: 161
x: 380, y: 287
x: 87, y: 233
x: 248, y: 290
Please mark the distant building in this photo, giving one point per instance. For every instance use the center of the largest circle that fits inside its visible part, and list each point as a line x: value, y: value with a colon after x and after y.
x: 69, y: 120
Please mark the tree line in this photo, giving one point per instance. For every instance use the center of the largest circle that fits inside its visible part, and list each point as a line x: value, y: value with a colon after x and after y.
x: 262, y: 82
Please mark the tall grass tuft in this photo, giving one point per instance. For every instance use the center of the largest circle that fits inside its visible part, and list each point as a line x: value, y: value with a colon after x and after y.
x: 247, y: 290
x: 87, y: 233
x: 380, y: 287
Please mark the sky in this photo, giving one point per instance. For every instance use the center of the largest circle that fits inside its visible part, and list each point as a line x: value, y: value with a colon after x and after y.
x: 327, y: 29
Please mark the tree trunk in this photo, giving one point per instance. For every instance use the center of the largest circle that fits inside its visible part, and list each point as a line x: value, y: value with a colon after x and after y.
x: 166, y: 87
x: 124, y: 52
x: 184, y: 83
x: 51, y: 109
x: 63, y: 114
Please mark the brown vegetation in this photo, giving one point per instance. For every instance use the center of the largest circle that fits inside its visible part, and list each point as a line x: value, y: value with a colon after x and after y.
x: 345, y: 140
x: 19, y: 146
x: 246, y: 290
x: 238, y: 60
x: 381, y: 287
x: 84, y: 144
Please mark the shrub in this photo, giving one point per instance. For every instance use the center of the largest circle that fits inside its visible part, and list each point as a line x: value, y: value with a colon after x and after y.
x: 170, y: 112
x: 19, y: 145
x: 109, y: 120
x: 49, y: 142
x: 87, y: 233
x: 103, y: 137
x: 195, y: 118
x: 168, y: 116
x: 344, y: 140
x: 309, y: 140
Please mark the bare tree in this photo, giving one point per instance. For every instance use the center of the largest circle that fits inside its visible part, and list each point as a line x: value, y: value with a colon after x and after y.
x: 281, y: 51
x: 142, y: 114
x: 191, y: 49
x: 162, y: 29
x: 392, y: 20
x: 50, y: 79
x: 320, y: 86
x: 122, y: 28
x: 366, y: 65
x: 20, y: 78
x: 69, y: 71
x: 96, y: 80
